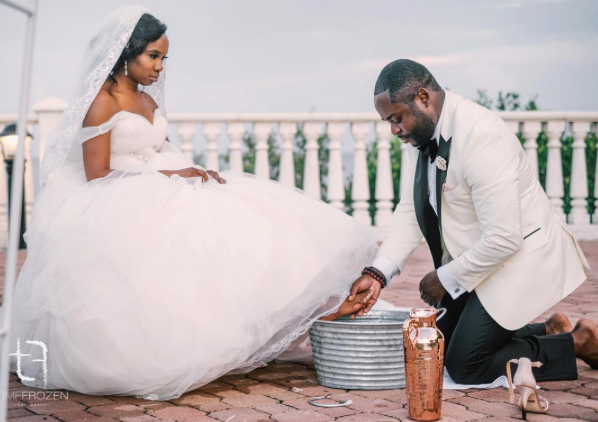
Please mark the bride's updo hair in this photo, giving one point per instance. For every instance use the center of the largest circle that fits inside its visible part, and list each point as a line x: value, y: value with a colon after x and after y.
x: 148, y: 29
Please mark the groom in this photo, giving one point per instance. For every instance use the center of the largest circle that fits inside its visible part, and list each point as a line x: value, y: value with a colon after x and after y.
x: 502, y: 256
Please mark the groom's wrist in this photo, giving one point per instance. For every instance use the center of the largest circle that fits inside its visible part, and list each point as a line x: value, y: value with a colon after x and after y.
x: 386, y: 266
x: 376, y: 274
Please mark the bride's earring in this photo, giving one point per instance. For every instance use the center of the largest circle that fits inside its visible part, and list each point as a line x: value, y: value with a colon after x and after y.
x: 126, y: 70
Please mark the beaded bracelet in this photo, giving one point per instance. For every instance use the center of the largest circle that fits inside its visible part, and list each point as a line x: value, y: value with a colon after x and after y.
x: 376, y: 274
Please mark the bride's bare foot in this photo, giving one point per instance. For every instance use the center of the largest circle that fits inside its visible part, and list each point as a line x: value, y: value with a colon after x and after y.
x: 558, y: 323
x: 585, y: 338
x: 348, y: 308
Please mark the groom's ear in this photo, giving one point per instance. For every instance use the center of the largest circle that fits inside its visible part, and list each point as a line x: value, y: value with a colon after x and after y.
x: 423, y: 96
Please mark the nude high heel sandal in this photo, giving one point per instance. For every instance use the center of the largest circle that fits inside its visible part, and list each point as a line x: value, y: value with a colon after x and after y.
x: 525, y: 383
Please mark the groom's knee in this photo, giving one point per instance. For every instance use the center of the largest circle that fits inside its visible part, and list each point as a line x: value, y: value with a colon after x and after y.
x: 456, y: 365
x: 461, y: 366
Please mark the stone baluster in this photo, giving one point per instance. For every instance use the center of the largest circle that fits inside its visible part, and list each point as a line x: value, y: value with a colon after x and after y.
x: 579, y: 177
x: 554, y: 166
x: 186, y: 133
x: 212, y: 131
x: 361, y: 188
x: 311, y: 176
x: 287, y: 131
x: 530, y: 133
x: 336, y: 187
x: 235, y: 133
x: 384, y: 182
x: 261, y: 131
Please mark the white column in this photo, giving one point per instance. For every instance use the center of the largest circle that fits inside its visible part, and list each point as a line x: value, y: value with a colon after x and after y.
x: 554, y: 166
x: 405, y: 168
x: 186, y: 132
x: 579, y: 178
x: 530, y: 135
x: 211, y: 131
x: 287, y: 131
x: 235, y: 133
x: 311, y: 176
x: 29, y: 183
x: 384, y: 182
x: 336, y: 187
x: 361, y: 189
x: 261, y: 131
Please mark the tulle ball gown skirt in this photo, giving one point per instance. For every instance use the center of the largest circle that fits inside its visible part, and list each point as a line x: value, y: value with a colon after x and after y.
x: 152, y: 286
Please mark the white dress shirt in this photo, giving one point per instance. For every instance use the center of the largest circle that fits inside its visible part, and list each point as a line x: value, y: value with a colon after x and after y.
x: 390, y: 269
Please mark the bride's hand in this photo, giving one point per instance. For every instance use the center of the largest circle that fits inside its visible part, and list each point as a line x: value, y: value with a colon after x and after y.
x: 364, y: 283
x: 195, y: 172
x: 217, y: 177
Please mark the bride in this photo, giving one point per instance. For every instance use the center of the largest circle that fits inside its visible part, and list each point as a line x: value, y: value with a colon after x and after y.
x: 147, y: 277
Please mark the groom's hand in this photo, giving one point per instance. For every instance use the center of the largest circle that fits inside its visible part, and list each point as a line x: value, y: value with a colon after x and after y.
x: 431, y: 289
x: 362, y: 284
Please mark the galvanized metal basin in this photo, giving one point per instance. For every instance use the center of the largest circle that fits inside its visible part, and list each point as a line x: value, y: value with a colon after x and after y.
x: 361, y: 354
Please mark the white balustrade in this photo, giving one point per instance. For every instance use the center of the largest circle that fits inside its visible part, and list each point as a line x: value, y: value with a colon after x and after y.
x: 530, y: 133
x: 311, y: 176
x: 555, y: 188
x: 287, y: 131
x: 47, y: 113
x: 236, y: 131
x: 336, y: 187
x: 579, y: 176
x: 361, y: 188
x: 261, y: 131
x: 384, y: 183
x: 212, y: 131
x: 186, y: 132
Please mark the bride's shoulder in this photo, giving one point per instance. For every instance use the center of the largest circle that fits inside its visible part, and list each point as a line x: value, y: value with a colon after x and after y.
x: 103, y: 107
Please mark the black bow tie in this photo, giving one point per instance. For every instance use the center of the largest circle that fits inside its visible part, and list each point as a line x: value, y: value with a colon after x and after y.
x: 430, y: 149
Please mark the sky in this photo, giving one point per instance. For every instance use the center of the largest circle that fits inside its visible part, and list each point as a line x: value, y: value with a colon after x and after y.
x: 325, y: 55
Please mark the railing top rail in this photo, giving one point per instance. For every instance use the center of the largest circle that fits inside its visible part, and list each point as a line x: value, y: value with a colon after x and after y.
x: 9, y: 118
x: 548, y: 116
x: 543, y: 116
x: 178, y: 117
x: 272, y: 117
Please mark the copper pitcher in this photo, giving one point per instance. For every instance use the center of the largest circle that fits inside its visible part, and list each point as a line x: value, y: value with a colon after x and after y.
x: 424, y: 363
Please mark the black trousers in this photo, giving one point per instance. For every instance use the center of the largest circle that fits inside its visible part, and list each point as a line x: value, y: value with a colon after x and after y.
x: 477, y: 348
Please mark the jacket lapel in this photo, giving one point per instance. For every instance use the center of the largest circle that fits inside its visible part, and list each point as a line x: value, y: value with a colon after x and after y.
x: 426, y: 218
x: 444, y: 150
x: 420, y: 190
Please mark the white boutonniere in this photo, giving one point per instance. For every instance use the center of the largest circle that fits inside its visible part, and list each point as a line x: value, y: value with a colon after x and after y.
x: 441, y: 163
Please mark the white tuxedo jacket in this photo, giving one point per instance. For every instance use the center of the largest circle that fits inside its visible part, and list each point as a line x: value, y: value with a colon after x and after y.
x: 506, y: 241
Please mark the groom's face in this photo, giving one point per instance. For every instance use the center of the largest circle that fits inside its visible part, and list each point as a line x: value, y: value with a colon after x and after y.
x: 410, y: 122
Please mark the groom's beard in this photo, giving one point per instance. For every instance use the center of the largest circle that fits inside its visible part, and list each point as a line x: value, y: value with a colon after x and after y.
x: 424, y: 127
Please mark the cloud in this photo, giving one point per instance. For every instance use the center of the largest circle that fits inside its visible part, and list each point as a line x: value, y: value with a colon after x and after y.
x: 516, y: 4
x: 522, y: 54
x: 426, y: 60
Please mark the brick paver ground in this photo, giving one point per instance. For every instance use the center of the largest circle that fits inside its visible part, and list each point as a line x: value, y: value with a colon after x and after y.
x: 280, y: 392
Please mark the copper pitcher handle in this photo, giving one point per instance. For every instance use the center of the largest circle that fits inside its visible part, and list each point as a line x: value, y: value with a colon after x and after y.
x: 413, y: 323
x: 441, y: 313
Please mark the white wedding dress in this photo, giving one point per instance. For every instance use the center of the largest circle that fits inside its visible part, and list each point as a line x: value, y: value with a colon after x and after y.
x: 140, y: 284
